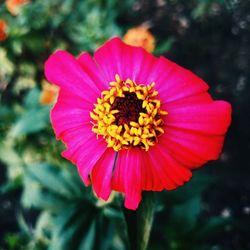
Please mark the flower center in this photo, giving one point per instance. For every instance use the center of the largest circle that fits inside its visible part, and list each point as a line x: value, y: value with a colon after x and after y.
x: 128, y: 115
x: 129, y: 108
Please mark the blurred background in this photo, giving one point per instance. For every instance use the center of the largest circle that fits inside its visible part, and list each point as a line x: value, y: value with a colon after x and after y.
x: 43, y: 203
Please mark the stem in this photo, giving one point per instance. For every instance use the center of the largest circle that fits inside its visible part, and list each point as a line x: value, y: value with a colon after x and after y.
x: 130, y: 217
x: 139, y: 223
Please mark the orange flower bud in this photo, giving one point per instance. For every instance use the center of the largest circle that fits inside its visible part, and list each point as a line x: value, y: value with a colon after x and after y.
x: 140, y: 37
x: 3, y: 27
x: 14, y: 6
x: 49, y: 93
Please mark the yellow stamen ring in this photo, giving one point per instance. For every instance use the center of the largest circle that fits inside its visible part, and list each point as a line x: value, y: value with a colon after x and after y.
x: 128, y: 115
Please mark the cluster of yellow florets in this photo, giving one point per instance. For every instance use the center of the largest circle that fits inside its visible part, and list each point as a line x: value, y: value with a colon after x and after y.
x: 142, y: 132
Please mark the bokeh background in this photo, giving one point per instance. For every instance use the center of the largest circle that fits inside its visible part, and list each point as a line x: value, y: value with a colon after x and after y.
x: 43, y: 203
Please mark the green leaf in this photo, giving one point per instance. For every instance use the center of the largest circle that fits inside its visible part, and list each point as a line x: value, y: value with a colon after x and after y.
x: 43, y: 226
x: 50, y: 178
x: 72, y: 227
x: 185, y: 215
x: 201, y: 9
x: 165, y: 46
x: 34, y: 195
x: 51, y: 187
x: 31, y: 99
x: 10, y: 157
x: 88, y: 241
x: 31, y: 121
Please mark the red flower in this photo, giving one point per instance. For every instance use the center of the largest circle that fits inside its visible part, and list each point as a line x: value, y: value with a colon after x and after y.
x: 3, y: 27
x: 133, y: 122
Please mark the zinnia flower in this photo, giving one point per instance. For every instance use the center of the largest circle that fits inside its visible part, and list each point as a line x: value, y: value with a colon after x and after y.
x: 140, y: 37
x: 3, y: 27
x: 133, y: 122
x: 14, y: 6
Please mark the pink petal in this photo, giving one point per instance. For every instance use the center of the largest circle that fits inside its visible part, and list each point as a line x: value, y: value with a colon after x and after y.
x: 128, y: 176
x: 102, y: 174
x: 174, y: 82
x: 151, y: 180
x: 191, y: 149
x: 71, y: 122
x: 213, y: 118
x: 115, y: 57
x: 70, y: 112
x: 171, y: 173
x: 92, y: 70
x: 75, y: 138
x: 177, y: 172
x: 202, y: 98
x: 119, y: 173
x: 65, y: 71
x: 85, y: 154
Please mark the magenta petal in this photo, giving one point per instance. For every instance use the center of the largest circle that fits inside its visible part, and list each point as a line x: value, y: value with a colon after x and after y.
x: 151, y: 179
x: 90, y: 67
x: 132, y: 179
x: 127, y: 176
x: 71, y: 122
x: 115, y: 57
x: 119, y: 173
x: 202, y: 98
x: 213, y: 118
x: 163, y: 169
x: 76, y: 138
x: 178, y: 173
x: 192, y: 149
x: 102, y: 174
x: 85, y: 155
x: 70, y: 112
x: 65, y: 71
x: 108, y: 58
x: 194, y: 134
x: 175, y: 82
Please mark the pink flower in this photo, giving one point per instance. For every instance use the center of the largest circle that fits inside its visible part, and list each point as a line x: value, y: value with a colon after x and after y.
x: 133, y: 122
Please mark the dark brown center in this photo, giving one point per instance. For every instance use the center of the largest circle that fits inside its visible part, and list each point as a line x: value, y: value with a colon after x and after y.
x: 129, y: 108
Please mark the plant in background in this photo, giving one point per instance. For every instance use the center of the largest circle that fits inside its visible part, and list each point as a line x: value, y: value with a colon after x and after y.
x: 132, y: 122
x: 140, y: 37
x: 49, y: 93
x: 14, y: 6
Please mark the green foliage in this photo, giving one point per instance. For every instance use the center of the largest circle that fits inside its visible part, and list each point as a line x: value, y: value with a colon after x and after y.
x: 72, y: 218
x: 34, y: 118
x: 203, y: 7
x: 164, y: 47
x: 186, y: 228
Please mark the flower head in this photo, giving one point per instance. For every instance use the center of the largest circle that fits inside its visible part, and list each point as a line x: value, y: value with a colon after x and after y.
x: 14, y: 6
x: 3, y: 27
x: 49, y: 93
x: 140, y: 37
x: 133, y: 122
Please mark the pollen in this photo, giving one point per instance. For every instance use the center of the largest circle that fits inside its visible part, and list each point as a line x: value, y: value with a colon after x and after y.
x: 128, y: 115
